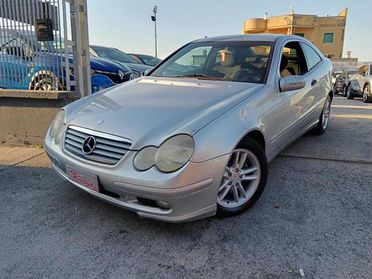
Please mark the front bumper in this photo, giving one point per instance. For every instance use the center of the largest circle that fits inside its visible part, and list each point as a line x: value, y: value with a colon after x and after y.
x: 186, y: 195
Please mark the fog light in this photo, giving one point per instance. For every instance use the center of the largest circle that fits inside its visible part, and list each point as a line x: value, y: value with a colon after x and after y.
x: 163, y: 205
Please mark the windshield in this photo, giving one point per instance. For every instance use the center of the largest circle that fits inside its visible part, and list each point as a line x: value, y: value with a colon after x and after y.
x: 227, y: 61
x: 349, y: 73
x: 114, y: 54
x: 149, y: 60
x: 56, y: 46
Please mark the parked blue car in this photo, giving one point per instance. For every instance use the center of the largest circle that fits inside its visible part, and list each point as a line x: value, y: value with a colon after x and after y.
x: 121, y: 57
x: 26, y: 63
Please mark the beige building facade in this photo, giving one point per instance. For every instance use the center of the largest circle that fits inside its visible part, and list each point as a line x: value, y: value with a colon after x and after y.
x: 327, y: 33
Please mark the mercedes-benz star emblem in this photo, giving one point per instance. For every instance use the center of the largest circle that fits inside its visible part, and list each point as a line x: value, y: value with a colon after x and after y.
x: 88, y: 145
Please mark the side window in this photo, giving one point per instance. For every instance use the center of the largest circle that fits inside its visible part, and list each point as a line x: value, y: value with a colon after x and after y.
x: 293, y: 60
x: 312, y: 57
x: 12, y: 47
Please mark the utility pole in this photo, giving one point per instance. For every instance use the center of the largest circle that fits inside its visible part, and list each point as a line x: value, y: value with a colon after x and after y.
x: 153, y: 18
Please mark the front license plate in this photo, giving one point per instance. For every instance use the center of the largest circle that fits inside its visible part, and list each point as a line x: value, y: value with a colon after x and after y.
x: 85, y: 179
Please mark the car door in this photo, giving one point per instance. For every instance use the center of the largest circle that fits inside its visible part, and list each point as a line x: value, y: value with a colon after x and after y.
x: 316, y: 78
x: 288, y: 112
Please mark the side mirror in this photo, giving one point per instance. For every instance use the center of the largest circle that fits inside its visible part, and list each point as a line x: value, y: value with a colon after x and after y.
x: 291, y: 83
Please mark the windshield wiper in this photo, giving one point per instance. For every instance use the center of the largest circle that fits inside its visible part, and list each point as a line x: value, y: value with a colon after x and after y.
x: 199, y: 76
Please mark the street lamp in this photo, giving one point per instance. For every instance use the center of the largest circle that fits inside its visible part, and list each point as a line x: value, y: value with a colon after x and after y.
x: 153, y: 18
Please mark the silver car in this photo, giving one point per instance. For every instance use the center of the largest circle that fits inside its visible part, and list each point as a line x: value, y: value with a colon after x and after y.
x: 359, y: 84
x: 194, y: 137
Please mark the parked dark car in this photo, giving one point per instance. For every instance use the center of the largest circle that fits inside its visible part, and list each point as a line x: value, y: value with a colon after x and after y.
x: 359, y: 84
x: 339, y: 86
x: 29, y: 64
x: 146, y: 59
x: 120, y: 57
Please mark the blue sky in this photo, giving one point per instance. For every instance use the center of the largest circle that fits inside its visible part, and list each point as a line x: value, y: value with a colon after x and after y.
x: 126, y: 24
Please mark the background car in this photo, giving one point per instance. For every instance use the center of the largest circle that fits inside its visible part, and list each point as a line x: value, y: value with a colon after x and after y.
x: 340, y: 84
x: 29, y: 64
x: 359, y: 84
x: 186, y: 144
x: 335, y: 75
x: 146, y: 59
x: 120, y: 57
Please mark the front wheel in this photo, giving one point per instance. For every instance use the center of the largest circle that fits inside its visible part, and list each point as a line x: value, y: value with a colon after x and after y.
x: 344, y: 91
x: 324, y: 118
x: 367, y: 98
x: 244, y: 179
x: 349, y: 93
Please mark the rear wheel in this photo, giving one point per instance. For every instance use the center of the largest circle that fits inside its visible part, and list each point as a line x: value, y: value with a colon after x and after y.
x: 367, y: 98
x: 46, y: 81
x: 324, y: 118
x: 244, y: 179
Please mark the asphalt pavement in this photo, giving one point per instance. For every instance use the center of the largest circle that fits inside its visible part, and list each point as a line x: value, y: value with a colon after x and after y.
x: 314, y: 219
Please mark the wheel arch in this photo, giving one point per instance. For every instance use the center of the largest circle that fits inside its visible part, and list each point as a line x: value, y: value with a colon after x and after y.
x: 256, y: 135
x: 367, y: 83
x: 331, y: 95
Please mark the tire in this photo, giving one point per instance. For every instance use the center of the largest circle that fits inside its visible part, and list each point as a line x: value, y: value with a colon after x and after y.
x: 367, y: 97
x: 324, y: 118
x: 344, y: 91
x: 252, y: 177
x: 349, y: 93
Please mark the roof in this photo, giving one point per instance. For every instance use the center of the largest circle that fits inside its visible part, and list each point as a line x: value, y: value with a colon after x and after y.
x: 245, y: 38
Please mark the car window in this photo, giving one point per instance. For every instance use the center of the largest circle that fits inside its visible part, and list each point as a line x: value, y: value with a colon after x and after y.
x: 293, y: 61
x: 363, y: 70
x: 312, y: 57
x: 350, y: 73
x: 114, y: 54
x: 149, y: 60
x: 15, y: 46
x: 229, y: 61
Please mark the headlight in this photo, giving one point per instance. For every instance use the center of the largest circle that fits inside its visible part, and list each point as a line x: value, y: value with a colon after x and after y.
x: 57, y: 125
x: 145, y: 159
x: 172, y: 155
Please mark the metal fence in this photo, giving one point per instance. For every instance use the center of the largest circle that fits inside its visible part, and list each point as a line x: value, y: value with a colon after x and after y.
x: 38, y: 48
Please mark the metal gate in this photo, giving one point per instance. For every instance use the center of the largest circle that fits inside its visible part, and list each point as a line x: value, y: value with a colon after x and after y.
x: 44, y: 45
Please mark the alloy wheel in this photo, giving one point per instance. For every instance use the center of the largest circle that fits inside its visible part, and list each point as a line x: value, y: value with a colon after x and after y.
x: 240, y: 180
x: 46, y: 84
x: 326, y: 113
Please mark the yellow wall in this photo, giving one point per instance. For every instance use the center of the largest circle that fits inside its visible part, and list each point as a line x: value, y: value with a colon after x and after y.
x: 312, y: 26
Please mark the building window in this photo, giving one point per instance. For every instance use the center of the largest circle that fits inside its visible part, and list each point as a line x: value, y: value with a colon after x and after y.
x: 328, y: 38
x: 300, y: 34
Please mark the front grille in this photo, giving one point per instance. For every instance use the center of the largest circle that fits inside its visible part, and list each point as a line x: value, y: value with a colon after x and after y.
x: 108, y: 149
x: 116, y: 78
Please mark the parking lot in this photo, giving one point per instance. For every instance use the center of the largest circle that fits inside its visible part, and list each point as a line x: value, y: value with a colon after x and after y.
x: 314, y: 215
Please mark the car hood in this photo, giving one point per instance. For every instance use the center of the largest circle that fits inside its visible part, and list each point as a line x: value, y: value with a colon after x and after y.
x: 149, y: 110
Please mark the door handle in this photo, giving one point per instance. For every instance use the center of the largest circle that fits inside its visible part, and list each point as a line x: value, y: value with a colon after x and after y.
x: 313, y: 82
